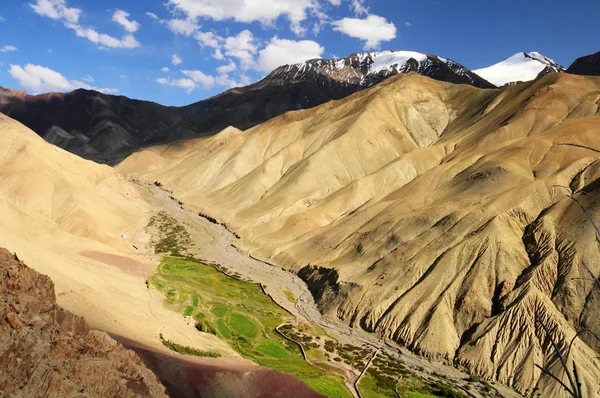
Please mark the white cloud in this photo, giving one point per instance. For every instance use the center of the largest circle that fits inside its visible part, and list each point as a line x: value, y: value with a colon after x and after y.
x: 7, y: 49
x: 208, y: 39
x: 200, y: 78
x: 281, y: 51
x: 124, y: 77
x: 40, y: 79
x: 165, y: 69
x: 88, y: 79
x: 218, y: 55
x: 197, y: 79
x: 120, y: 17
x: 373, y: 29
x: 187, y: 84
x: 241, y: 47
x: 56, y: 9
x: 152, y: 15
x: 102, y: 39
x: 2, y: 19
x: 359, y: 7
x: 408, y: 24
x: 184, y: 27
x: 69, y: 16
x: 175, y: 60
x: 264, y: 11
x: 226, y: 69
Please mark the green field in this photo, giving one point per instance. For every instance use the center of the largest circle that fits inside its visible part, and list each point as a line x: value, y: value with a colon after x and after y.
x: 241, y: 314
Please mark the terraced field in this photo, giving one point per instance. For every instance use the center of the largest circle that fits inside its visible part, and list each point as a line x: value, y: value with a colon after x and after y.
x: 240, y: 313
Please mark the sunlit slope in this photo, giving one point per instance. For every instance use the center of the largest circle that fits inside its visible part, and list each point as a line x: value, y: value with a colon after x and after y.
x: 58, y: 212
x: 433, y: 214
x: 78, y: 197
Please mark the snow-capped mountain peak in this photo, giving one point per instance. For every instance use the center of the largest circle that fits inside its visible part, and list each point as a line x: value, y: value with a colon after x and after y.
x: 367, y: 69
x: 520, y: 67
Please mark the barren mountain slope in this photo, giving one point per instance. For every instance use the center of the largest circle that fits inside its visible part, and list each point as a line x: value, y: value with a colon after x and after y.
x: 426, y: 212
x: 82, y: 224
x: 49, y: 352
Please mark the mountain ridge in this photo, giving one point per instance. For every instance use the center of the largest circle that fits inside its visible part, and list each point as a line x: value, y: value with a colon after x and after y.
x: 107, y: 128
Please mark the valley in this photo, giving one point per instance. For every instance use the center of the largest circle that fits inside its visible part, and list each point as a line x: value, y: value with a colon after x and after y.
x: 388, y: 224
x: 212, y: 280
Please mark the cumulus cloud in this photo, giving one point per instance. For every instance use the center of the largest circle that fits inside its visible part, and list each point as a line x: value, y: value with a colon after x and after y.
x: 208, y: 39
x: 242, y: 47
x: 265, y: 12
x: 195, y: 79
x: 187, y: 84
x: 282, y: 51
x: 38, y: 79
x: 69, y: 16
x: 175, y: 60
x: 226, y: 69
x: 218, y: 54
x: 185, y: 27
x: 121, y: 17
x: 200, y: 78
x: 165, y: 69
x: 152, y: 15
x: 373, y: 29
x: 7, y: 49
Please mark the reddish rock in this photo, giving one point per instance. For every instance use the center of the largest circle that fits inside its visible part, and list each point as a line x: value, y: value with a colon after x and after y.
x: 46, y: 351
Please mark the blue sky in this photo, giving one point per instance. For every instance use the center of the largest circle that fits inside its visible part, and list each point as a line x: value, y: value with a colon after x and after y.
x: 176, y: 52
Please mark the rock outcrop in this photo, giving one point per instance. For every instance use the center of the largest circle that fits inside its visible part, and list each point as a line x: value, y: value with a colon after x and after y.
x: 46, y: 351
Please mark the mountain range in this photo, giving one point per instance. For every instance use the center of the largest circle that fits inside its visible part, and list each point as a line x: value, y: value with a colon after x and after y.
x: 435, y: 215
x: 107, y: 128
x: 454, y: 221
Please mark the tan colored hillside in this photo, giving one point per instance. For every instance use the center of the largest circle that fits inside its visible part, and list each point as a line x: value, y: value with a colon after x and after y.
x: 426, y: 212
x: 78, y: 222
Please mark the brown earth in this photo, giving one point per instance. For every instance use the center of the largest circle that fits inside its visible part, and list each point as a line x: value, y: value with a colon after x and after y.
x: 46, y: 351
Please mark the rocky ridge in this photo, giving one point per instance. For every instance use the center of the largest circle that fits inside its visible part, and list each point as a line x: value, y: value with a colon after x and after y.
x: 46, y: 351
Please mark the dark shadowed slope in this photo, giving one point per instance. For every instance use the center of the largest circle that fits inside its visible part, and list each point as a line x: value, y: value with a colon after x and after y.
x: 107, y: 128
x: 588, y: 65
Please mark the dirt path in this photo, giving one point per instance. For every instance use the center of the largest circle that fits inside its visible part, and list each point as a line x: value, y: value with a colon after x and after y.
x: 214, y: 243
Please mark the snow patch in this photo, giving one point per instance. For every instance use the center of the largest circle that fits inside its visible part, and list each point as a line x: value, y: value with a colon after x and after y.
x: 387, y: 60
x: 520, y: 67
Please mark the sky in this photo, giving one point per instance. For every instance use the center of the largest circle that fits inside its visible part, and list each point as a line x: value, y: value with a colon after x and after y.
x: 176, y: 52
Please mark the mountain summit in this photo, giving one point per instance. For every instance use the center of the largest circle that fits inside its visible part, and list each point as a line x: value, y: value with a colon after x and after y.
x: 521, y: 67
x: 367, y: 69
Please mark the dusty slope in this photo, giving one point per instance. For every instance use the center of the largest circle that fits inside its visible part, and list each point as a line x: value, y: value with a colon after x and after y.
x: 49, y: 352
x: 427, y: 212
x: 78, y: 222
